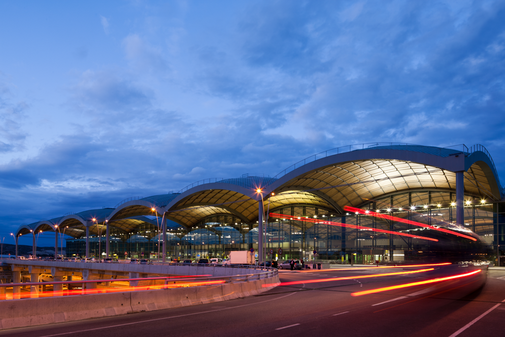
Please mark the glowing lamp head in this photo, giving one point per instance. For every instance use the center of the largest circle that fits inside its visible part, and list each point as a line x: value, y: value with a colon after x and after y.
x: 483, y: 201
x: 468, y: 202
x: 400, y: 209
x: 259, y: 190
x: 453, y: 204
x: 389, y: 209
x: 152, y: 209
x: 413, y: 207
x: 94, y: 219
x: 439, y: 205
x: 425, y: 206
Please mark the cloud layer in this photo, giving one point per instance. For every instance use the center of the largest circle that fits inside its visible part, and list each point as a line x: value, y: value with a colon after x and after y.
x: 176, y: 93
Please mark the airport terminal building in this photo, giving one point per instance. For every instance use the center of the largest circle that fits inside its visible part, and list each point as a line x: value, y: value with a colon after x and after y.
x: 360, y: 203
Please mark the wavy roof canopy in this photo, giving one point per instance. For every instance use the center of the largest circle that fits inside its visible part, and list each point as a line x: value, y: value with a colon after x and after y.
x: 348, y: 176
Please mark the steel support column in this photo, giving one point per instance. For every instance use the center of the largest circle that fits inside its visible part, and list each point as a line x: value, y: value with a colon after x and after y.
x: 56, y: 242
x: 34, y: 245
x: 260, y: 231
x: 107, y: 237
x: 460, y: 189
x: 164, y: 228
x: 87, y: 242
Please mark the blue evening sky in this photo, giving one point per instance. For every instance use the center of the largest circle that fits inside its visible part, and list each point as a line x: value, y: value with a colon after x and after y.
x: 104, y: 100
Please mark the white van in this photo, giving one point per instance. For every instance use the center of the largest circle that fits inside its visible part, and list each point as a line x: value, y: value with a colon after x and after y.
x: 216, y: 260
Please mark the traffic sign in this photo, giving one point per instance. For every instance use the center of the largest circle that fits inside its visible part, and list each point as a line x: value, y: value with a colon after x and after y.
x: 280, y: 251
x: 271, y: 251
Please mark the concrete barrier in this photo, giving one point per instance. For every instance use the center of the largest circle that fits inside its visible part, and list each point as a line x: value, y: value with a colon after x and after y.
x: 37, y: 311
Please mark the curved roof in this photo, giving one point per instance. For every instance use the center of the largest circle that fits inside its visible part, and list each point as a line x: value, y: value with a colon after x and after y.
x: 347, y: 176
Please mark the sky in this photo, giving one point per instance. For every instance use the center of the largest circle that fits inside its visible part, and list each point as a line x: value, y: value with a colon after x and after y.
x: 105, y: 100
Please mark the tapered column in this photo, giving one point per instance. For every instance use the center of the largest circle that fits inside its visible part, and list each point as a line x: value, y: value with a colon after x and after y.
x: 17, y: 237
x: 87, y: 242
x: 260, y: 231
x: 34, y: 245
x: 107, y: 237
x: 164, y: 228
x: 56, y: 242
x: 460, y: 189
x: 16, y: 278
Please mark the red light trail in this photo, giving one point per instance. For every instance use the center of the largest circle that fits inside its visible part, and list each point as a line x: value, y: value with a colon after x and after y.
x: 381, y: 267
x: 410, y: 222
x: 351, y: 277
x: 333, y: 223
x: 103, y: 290
x: 413, y: 284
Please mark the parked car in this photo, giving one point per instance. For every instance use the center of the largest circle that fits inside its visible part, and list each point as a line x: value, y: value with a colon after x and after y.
x: 287, y: 265
x: 203, y: 261
x: 187, y: 262
x: 216, y: 260
x: 134, y: 261
x: 144, y: 261
x: 266, y: 264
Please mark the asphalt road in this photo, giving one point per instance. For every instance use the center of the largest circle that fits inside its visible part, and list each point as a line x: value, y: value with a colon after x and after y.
x: 318, y: 309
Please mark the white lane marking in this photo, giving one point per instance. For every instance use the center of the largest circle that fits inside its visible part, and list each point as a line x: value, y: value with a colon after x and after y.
x: 424, y: 291
x: 166, y: 318
x: 501, y: 278
x: 341, y: 313
x: 288, y: 326
x: 394, y: 299
x: 475, y: 320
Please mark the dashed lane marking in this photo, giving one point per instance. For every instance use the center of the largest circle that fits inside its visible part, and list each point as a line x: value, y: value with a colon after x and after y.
x: 392, y: 300
x: 341, y: 313
x: 288, y: 326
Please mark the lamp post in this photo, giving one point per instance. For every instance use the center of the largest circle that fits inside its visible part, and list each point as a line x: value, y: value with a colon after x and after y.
x: 260, y: 226
x: 99, y: 231
x: 15, y: 242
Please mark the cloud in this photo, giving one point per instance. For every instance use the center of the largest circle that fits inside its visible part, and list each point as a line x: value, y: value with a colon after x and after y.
x: 12, y: 135
x: 105, y: 24
x: 109, y: 91
x: 144, y: 56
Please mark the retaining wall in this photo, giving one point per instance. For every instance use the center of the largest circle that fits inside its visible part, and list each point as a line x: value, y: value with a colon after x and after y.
x: 36, y: 311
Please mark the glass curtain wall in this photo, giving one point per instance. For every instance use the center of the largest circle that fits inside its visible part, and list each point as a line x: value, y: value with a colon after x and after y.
x: 217, y: 235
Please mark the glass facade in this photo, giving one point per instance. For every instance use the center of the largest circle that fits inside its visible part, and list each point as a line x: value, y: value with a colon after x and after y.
x: 217, y: 235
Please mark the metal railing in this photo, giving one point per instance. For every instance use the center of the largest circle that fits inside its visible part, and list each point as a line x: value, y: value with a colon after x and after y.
x: 482, y: 148
x: 126, y: 200
x: 334, y: 151
x: 169, y: 282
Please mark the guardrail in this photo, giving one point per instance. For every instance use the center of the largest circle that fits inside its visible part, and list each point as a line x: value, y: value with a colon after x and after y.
x: 169, y: 282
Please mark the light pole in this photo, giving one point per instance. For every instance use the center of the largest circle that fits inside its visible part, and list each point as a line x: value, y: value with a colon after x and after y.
x: 99, y: 231
x: 260, y: 226
x: 14, y: 237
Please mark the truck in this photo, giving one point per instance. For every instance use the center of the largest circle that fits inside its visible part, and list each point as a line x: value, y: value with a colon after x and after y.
x: 242, y: 257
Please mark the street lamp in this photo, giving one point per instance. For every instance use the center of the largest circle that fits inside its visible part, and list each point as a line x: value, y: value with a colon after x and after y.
x: 99, y: 231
